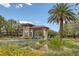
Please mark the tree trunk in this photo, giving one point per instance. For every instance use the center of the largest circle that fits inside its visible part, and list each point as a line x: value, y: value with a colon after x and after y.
x: 0, y: 31
x: 6, y: 33
x: 61, y: 29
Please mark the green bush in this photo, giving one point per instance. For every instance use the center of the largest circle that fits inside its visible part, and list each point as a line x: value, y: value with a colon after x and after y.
x: 26, y: 38
x: 59, y: 53
x: 35, y: 46
x: 73, y: 52
x: 42, y: 41
x: 55, y: 44
x: 17, y: 51
x: 71, y: 44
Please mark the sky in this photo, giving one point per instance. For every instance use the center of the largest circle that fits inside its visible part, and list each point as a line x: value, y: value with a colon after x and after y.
x: 36, y: 13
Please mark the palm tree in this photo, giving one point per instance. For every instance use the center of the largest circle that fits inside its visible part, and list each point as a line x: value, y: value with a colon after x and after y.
x: 61, y: 13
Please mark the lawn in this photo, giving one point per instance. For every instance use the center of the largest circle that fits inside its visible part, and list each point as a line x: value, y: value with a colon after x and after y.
x: 70, y: 48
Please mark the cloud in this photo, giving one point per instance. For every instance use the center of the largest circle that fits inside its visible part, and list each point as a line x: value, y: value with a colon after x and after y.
x: 24, y: 22
x: 7, y: 5
x: 28, y: 3
x: 19, y: 5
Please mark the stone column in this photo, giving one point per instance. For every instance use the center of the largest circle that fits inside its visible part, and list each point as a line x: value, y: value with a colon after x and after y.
x: 29, y: 31
x: 45, y: 34
x: 23, y: 32
x: 32, y: 32
x: 26, y: 31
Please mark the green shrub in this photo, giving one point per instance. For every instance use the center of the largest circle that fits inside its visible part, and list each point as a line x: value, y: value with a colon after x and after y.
x: 71, y: 44
x: 35, y: 46
x: 75, y: 52
x: 55, y: 43
x: 26, y: 38
x: 58, y: 53
x: 17, y: 51
x: 42, y: 41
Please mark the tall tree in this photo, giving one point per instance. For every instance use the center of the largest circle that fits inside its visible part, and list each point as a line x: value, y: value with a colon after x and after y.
x: 10, y: 26
x: 68, y: 29
x: 61, y: 13
x: 2, y: 20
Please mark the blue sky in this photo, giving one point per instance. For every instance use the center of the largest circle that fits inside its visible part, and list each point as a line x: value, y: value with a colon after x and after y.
x: 35, y: 13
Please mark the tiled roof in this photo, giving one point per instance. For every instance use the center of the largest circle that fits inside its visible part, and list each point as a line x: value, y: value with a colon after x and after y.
x: 27, y: 24
x: 39, y: 27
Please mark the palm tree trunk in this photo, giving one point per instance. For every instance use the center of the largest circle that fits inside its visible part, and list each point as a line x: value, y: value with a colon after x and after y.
x: 61, y: 29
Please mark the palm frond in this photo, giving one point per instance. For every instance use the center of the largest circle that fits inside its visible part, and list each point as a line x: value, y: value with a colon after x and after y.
x: 62, y: 11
